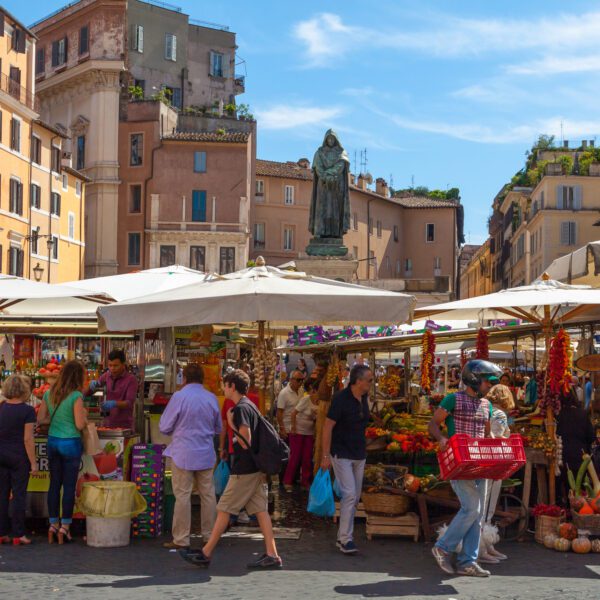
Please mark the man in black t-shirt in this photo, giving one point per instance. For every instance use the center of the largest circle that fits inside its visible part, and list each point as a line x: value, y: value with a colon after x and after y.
x: 247, y: 486
x: 345, y: 448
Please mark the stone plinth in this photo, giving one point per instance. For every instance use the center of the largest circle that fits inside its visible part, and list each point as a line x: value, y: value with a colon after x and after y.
x: 326, y: 247
x: 331, y: 267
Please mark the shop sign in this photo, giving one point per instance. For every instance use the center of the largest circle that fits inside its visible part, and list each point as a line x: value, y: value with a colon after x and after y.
x: 199, y: 335
x: 41, y: 481
x: 589, y: 362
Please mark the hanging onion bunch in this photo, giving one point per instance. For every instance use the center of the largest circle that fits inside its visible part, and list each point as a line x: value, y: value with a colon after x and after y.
x: 260, y: 363
x: 427, y: 360
x: 482, y: 348
x: 333, y: 371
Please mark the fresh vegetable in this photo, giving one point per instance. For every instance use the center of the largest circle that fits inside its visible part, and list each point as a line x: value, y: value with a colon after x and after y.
x: 581, y: 545
x: 562, y: 545
x: 595, y: 504
x: 546, y: 510
x: 549, y: 540
x: 593, y: 474
x: 412, y: 483
x: 586, y: 509
x: 568, y: 531
x: 596, y: 545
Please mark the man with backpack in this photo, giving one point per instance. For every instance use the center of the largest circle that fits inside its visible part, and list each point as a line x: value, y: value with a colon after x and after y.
x: 258, y: 451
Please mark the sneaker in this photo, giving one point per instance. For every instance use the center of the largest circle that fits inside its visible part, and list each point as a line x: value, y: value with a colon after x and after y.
x: 243, y: 518
x: 347, y: 548
x: 173, y: 546
x: 266, y: 562
x: 493, y: 552
x: 473, y: 570
x: 488, y: 559
x: 195, y: 557
x: 443, y: 560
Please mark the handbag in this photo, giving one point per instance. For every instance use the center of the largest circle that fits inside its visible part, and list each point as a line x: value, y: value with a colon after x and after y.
x: 91, y: 441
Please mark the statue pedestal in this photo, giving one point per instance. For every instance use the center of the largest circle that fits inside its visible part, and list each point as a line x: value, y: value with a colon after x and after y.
x: 331, y: 267
x: 326, y: 247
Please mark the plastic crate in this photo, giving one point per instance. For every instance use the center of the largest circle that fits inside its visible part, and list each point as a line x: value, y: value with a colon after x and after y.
x: 487, y: 458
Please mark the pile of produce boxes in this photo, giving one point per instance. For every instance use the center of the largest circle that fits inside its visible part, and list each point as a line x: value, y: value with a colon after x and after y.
x: 148, y: 473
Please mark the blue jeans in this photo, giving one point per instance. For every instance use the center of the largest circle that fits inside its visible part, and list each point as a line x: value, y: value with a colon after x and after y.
x: 349, y: 475
x: 64, y: 459
x: 465, y: 528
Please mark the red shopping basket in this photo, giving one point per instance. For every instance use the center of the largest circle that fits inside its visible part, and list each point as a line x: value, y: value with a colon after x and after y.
x: 470, y: 458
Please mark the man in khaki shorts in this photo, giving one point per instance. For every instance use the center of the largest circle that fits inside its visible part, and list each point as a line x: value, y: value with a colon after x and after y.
x: 247, y: 486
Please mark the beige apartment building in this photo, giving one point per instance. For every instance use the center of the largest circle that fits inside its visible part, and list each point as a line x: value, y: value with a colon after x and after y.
x: 475, y: 279
x: 410, y: 238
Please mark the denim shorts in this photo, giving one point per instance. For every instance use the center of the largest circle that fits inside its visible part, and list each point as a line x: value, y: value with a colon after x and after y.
x: 67, y: 447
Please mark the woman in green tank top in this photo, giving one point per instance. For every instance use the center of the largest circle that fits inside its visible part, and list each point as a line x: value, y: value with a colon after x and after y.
x: 63, y: 408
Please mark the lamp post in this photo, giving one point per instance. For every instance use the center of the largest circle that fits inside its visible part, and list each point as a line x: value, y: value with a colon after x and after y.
x: 50, y: 244
x: 38, y: 272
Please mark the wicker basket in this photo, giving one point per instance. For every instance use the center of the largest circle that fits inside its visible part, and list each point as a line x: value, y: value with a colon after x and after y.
x: 381, y: 503
x: 544, y: 525
x: 590, y: 523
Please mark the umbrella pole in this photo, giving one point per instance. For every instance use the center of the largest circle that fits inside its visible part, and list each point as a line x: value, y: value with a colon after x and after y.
x: 550, y: 423
x: 140, y: 422
x: 261, y: 390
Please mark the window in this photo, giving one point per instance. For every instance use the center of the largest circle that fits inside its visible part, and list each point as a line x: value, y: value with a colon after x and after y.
x: 55, y: 159
x: 542, y: 200
x: 259, y: 235
x: 84, y: 40
x: 35, y: 196
x: 170, y: 46
x: 288, y: 238
x: 371, y: 226
x: 199, y: 162
x: 217, y: 64
x: 176, y: 97
x: 379, y: 228
x: 135, y: 199
x: 167, y: 256
x: 78, y: 189
x: 198, y: 258
x: 15, y: 134
x: 355, y: 221
x: 55, y: 204
x: 54, y: 239
x: 40, y: 61
x: 226, y: 260
x: 18, y: 39
x: 136, y: 144
x: 395, y: 233
x: 71, y: 226
x: 134, y: 248
x: 260, y: 187
x: 59, y: 52
x: 141, y: 83
x: 65, y: 182
x: 568, y: 197
x: 80, y: 152
x: 430, y: 232
x: 437, y: 266
x: 137, y: 38
x: 15, y: 261
x: 289, y: 194
x: 398, y: 267
x: 199, y: 206
x: 36, y: 150
x: 16, y: 197
x: 34, y: 241
x: 408, y: 266
x: 568, y: 233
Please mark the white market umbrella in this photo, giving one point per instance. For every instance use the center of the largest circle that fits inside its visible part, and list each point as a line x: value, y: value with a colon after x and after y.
x: 142, y: 283
x: 23, y: 297
x: 260, y: 294
x: 581, y: 266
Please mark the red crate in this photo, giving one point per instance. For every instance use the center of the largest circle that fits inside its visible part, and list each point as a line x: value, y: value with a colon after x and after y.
x: 487, y: 458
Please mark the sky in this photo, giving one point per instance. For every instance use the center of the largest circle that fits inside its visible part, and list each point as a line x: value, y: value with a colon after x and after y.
x: 440, y: 94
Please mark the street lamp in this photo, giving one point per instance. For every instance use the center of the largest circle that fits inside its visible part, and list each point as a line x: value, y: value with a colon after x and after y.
x: 50, y: 244
x: 38, y: 272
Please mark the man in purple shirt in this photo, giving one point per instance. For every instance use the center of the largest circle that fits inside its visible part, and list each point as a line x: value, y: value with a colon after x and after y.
x: 121, y: 392
x: 193, y: 418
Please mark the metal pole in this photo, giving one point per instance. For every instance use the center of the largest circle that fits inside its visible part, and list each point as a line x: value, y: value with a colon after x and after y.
x: 139, y: 416
x: 534, y: 354
x: 446, y: 373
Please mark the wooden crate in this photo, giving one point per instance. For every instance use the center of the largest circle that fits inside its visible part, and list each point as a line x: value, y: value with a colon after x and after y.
x: 360, y: 512
x: 407, y: 524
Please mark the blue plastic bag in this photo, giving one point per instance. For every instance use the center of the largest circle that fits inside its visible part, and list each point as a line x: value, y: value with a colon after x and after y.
x: 221, y: 477
x: 336, y: 488
x: 320, y: 498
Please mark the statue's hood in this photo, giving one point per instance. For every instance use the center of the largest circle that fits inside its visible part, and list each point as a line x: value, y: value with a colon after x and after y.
x: 332, y: 133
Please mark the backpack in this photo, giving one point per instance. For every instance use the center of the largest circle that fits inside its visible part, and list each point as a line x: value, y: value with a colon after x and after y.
x: 272, y: 452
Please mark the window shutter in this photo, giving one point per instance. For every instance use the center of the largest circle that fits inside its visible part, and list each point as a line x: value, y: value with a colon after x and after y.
x: 573, y: 233
x: 20, y: 199
x: 564, y: 233
x: 66, y: 48
x: 211, y: 64
x: 225, y: 65
x: 140, y: 38
x: 20, y: 254
x: 199, y: 206
x: 1, y: 35
x: 559, y: 197
x: 577, y: 197
x: 22, y: 40
x: 58, y: 204
x: 174, y: 47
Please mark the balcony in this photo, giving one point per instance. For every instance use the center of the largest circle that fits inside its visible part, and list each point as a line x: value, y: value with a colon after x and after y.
x: 18, y: 92
x: 240, y: 84
x: 205, y: 226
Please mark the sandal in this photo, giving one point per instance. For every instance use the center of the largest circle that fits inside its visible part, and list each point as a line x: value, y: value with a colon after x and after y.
x: 4, y: 539
x: 52, y: 533
x: 22, y: 541
x: 64, y: 534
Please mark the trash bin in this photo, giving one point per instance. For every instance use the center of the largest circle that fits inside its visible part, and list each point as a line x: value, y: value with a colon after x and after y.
x: 108, y: 507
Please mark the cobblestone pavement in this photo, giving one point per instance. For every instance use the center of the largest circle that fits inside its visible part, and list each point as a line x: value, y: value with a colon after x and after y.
x: 313, y: 568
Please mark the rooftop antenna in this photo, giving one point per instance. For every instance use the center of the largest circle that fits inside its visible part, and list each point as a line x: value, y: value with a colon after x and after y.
x: 412, y: 181
x: 363, y: 161
x: 562, y: 137
x: 391, y: 181
x: 355, y: 161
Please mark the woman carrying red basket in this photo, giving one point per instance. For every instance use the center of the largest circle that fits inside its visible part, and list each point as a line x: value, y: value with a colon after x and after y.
x: 467, y: 412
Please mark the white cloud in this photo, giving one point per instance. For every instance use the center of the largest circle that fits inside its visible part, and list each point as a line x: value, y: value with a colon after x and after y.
x: 285, y: 116
x: 325, y: 35
x: 556, y: 65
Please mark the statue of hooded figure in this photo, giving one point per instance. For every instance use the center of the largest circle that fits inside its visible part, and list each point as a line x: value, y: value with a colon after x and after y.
x: 330, y: 203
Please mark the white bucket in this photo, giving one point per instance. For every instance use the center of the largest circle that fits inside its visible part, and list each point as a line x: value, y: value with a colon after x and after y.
x: 103, y: 532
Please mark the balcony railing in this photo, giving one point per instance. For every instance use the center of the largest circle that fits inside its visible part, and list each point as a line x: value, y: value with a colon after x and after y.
x: 199, y: 226
x: 17, y: 91
x: 208, y: 24
x: 240, y: 81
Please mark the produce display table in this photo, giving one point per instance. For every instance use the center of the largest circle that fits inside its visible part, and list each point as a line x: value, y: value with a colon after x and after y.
x: 407, y: 524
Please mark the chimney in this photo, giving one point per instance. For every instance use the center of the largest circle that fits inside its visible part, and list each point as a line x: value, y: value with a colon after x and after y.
x: 304, y: 163
x: 565, y: 143
x: 66, y: 159
x: 381, y: 187
x: 362, y: 182
x: 584, y: 144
